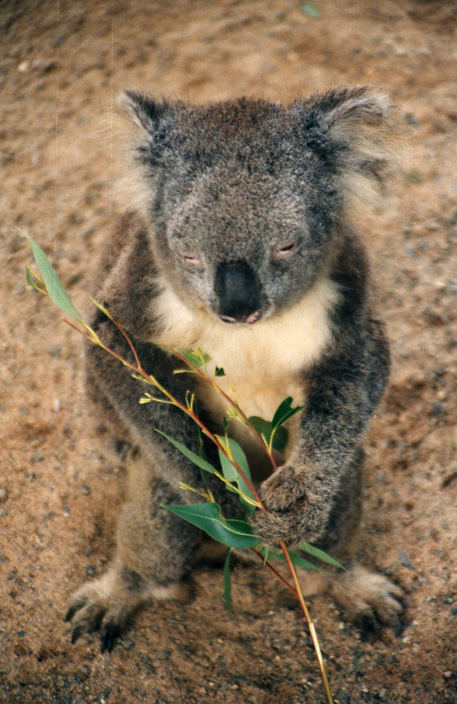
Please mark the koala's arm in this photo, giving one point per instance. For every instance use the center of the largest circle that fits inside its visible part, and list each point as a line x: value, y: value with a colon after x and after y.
x: 114, y: 389
x: 127, y: 289
x: 343, y: 390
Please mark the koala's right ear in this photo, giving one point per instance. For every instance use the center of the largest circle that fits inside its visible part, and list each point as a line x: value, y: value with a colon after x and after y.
x: 144, y: 111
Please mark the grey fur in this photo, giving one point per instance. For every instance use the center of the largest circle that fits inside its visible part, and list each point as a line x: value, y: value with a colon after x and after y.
x: 246, y: 225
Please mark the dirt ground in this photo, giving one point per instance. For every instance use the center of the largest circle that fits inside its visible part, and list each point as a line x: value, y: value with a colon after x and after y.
x: 62, y: 65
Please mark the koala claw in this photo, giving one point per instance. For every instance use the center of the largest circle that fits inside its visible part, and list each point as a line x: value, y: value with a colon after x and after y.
x: 109, y: 638
x: 101, y: 606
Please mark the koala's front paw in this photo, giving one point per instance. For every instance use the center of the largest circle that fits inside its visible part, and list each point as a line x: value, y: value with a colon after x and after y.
x: 289, y: 514
x: 280, y: 491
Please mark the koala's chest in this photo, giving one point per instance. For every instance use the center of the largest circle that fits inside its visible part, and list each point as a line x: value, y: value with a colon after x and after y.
x: 264, y: 362
x: 258, y: 373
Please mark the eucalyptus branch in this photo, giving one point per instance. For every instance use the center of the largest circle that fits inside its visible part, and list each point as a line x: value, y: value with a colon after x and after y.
x: 239, y: 411
x: 51, y: 285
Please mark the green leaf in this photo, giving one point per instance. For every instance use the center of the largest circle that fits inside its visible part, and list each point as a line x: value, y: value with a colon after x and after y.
x: 265, y: 428
x: 53, y: 284
x: 192, y: 456
x: 31, y: 278
x: 295, y: 558
x: 196, y: 357
x: 231, y: 473
x: 284, y: 412
x: 228, y: 580
x: 320, y: 555
x: 231, y: 532
x: 311, y: 10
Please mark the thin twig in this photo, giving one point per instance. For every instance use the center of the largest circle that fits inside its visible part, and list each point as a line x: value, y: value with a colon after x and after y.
x: 312, y: 628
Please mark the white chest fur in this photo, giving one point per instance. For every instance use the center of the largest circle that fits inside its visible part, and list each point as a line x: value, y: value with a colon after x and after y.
x: 263, y: 361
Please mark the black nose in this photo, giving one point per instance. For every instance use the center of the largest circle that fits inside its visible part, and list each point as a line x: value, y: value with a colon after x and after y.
x: 238, y: 292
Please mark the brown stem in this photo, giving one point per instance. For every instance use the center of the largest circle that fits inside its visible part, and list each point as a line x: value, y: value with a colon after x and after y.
x: 275, y: 571
x: 153, y: 381
x: 312, y: 628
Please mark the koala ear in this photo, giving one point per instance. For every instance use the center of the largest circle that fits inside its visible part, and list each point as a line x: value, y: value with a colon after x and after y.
x: 351, y: 128
x: 343, y: 111
x: 144, y: 111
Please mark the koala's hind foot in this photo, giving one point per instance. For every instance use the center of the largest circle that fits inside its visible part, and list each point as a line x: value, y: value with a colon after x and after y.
x: 367, y: 598
x: 106, y: 604
x: 155, y: 552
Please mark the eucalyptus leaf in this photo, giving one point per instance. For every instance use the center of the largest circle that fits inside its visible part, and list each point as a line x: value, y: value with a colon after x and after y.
x: 31, y: 278
x: 53, y: 284
x: 284, y: 412
x: 310, y: 9
x: 319, y: 555
x: 295, y: 558
x: 196, y: 357
x: 192, y: 456
x: 233, y: 476
x: 265, y: 428
x: 231, y: 532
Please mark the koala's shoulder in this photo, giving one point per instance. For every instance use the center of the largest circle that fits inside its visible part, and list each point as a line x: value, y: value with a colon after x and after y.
x: 125, y: 279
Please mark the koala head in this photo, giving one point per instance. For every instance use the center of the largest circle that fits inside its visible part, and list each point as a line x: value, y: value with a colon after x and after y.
x: 247, y: 199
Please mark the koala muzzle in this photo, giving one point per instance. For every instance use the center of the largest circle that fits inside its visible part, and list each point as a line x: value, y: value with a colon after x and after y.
x: 238, y: 292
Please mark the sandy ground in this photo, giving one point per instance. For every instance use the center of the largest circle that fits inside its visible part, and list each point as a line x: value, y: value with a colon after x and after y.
x: 62, y: 65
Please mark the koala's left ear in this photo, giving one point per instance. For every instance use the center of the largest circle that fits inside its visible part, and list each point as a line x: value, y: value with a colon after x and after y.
x: 350, y: 126
x: 145, y: 111
x: 345, y: 110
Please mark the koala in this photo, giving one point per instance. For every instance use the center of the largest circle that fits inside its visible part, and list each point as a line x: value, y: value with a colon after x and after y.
x: 243, y: 246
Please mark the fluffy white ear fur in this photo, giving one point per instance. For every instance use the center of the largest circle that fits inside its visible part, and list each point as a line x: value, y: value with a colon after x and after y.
x: 141, y: 109
x: 361, y: 122
x: 131, y: 187
x: 358, y: 106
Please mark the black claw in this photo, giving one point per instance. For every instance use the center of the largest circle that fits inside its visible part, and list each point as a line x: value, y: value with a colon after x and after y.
x: 401, y: 600
x: 97, y: 622
x: 75, y: 634
x: 400, y: 624
x: 109, y: 638
x: 73, y: 609
x: 369, y: 627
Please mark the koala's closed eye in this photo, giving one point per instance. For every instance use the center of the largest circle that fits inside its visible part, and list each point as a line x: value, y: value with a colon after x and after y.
x: 285, y: 249
x: 192, y: 260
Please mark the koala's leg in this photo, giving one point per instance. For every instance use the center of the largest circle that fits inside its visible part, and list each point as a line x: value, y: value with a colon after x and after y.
x: 155, y: 550
x: 367, y: 598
